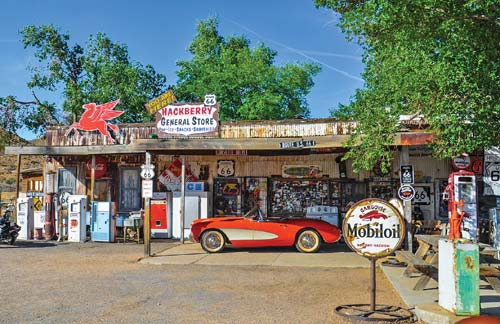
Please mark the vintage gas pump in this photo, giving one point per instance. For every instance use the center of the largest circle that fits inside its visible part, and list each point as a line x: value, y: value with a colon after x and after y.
x: 77, y: 214
x: 462, y: 205
x: 50, y: 217
x: 459, y: 254
x: 25, y: 217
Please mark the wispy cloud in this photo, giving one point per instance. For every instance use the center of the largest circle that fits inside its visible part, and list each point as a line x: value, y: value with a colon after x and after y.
x: 318, y: 53
x: 299, y: 52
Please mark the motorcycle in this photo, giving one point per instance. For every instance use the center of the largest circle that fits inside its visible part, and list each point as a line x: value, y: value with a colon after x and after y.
x: 8, y: 231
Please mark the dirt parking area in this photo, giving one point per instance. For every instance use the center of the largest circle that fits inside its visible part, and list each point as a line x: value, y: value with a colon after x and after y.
x: 50, y: 282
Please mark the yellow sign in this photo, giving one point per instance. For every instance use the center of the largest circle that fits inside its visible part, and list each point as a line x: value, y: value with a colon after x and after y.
x: 38, y: 203
x: 162, y: 101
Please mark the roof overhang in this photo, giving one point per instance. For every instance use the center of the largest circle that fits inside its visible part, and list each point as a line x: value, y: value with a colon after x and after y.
x: 189, y: 144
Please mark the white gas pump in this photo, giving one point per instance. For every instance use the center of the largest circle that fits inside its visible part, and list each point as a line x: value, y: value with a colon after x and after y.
x: 77, y: 212
x: 462, y: 205
x: 25, y: 217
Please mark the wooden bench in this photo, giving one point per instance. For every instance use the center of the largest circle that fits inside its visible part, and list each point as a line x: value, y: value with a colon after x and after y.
x: 491, y: 275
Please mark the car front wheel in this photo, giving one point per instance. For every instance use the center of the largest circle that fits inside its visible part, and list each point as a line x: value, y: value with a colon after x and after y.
x: 308, y: 241
x: 212, y: 241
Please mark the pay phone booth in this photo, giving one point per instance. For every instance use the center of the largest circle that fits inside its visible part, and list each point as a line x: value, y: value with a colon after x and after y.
x: 25, y: 217
x: 77, y: 212
x: 102, y: 227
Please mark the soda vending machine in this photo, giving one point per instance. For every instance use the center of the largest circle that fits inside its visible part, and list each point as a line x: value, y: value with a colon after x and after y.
x: 462, y: 204
x: 77, y: 212
x: 25, y: 217
x: 159, y: 218
x: 103, y: 226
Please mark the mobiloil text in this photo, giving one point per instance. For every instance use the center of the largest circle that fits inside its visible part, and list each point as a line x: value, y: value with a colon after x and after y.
x: 373, y: 231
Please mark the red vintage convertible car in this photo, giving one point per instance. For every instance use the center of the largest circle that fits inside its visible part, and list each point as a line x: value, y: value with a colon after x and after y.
x: 254, y: 230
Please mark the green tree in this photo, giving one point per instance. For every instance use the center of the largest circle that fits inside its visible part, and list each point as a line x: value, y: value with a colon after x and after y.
x: 245, y: 81
x: 100, y: 72
x: 438, y: 58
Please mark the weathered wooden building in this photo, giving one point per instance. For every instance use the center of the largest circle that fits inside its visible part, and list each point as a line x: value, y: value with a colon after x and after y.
x: 293, y: 163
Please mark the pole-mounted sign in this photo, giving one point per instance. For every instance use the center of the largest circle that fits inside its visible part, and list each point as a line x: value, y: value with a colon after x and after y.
x: 406, y: 174
x: 373, y: 228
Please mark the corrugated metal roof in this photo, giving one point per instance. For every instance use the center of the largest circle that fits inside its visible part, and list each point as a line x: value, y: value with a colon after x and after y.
x: 227, y: 130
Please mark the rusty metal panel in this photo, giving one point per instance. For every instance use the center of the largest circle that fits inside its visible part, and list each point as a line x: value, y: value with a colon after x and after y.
x: 288, y: 128
x: 416, y: 138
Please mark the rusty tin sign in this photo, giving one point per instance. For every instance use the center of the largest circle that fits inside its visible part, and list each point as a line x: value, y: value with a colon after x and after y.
x: 158, y: 103
x: 373, y: 228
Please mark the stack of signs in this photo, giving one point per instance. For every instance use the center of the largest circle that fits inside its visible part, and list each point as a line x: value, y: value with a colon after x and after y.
x: 406, y: 192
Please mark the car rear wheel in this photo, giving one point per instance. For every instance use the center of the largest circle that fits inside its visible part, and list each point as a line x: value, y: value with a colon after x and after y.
x: 212, y: 241
x: 308, y: 241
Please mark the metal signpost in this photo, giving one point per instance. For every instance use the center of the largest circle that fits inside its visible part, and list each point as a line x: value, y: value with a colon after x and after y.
x: 147, y: 174
x: 373, y: 228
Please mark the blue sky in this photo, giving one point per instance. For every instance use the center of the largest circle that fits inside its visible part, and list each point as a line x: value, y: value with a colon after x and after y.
x: 159, y: 33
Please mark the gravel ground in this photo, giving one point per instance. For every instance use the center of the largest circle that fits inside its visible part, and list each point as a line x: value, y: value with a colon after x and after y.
x: 53, y: 282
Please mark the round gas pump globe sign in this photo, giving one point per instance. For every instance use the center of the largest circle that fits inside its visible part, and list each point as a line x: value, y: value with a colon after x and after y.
x: 373, y: 228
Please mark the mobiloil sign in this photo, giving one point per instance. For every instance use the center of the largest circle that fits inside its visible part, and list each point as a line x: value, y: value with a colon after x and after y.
x: 373, y: 228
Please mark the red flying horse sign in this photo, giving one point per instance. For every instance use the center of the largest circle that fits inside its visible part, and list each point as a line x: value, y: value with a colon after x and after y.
x: 95, y: 117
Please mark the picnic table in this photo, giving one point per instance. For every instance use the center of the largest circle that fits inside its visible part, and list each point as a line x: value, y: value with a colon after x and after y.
x: 424, y: 261
x: 426, y: 258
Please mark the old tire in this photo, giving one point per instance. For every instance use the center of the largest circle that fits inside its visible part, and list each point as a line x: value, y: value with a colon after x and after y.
x: 212, y: 241
x: 308, y: 241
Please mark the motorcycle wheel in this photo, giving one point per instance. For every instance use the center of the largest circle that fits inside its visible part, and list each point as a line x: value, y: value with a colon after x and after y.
x: 12, y: 240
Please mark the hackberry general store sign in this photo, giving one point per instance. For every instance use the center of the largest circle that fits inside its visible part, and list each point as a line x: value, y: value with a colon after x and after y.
x: 373, y: 228
x: 189, y: 119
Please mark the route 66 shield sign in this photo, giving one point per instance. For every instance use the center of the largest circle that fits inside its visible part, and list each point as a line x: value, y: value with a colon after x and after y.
x: 225, y: 168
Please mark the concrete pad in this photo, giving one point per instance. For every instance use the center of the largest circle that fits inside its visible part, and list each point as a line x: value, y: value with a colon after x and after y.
x: 404, y: 286
x: 331, y: 260
x: 240, y: 258
x: 435, y: 314
x: 192, y: 253
x: 426, y: 301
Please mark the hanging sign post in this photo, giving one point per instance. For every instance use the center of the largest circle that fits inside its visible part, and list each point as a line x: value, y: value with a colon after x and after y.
x: 373, y: 228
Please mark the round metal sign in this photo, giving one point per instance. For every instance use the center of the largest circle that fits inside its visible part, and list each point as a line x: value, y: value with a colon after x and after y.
x: 406, y: 192
x: 373, y: 228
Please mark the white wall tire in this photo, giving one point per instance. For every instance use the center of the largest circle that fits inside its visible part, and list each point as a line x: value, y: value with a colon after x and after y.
x: 212, y: 241
x: 308, y: 241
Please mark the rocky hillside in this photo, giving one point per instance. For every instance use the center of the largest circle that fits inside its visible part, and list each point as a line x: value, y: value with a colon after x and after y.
x: 8, y: 162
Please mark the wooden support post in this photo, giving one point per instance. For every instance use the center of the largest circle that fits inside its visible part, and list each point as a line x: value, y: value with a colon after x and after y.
x: 183, y: 197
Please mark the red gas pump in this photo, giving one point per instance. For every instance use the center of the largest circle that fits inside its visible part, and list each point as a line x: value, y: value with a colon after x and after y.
x: 50, y: 219
x: 462, y: 205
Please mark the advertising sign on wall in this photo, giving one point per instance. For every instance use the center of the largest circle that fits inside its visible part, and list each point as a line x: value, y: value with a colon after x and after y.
x: 188, y: 119
x: 373, y: 228
x: 301, y: 171
x: 101, y: 167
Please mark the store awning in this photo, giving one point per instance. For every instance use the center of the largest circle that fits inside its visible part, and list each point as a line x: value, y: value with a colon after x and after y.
x: 208, y: 144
